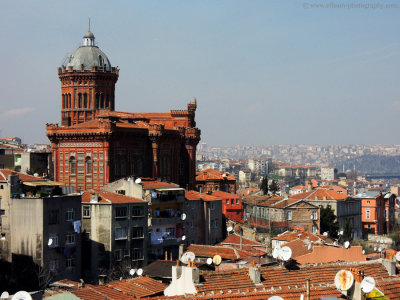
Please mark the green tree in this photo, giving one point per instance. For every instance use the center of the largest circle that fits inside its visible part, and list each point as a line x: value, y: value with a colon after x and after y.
x: 347, y: 231
x: 274, y: 187
x: 264, y: 185
x: 328, y: 222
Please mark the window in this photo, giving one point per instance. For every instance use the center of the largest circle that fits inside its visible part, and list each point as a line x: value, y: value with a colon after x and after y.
x: 137, y: 232
x: 121, y: 212
x: 232, y: 201
x: 289, y: 215
x: 120, y: 233
x: 86, y: 211
x: 53, y: 217
x: 53, y: 265
x: 137, y: 211
x: 212, y: 205
x: 170, y: 232
x: 368, y: 202
x: 237, y: 201
x: 53, y: 240
x: 70, y: 238
x: 367, y: 213
x: 72, y: 165
x: 214, y: 223
x: 70, y: 262
x: 137, y: 254
x: 315, y: 215
x: 314, y: 229
x: 70, y: 214
x: 227, y: 201
x: 88, y: 163
x: 385, y: 213
x: 118, y: 254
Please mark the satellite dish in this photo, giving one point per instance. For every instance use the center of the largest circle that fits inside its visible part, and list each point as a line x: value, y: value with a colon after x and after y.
x: 183, y: 216
x: 275, y: 252
x: 398, y: 256
x: 380, y: 249
x: 138, y: 180
x: 21, y: 295
x: 325, y: 233
x: 132, y: 272
x: 139, y: 272
x: 5, y: 295
x: 217, y: 260
x: 229, y: 229
x: 368, y: 284
x: 209, y: 261
x: 344, y: 280
x: 186, y: 256
x: 285, y: 253
x: 346, y: 244
x: 183, y: 237
x: 275, y: 298
x: 50, y: 242
x: 375, y: 249
x: 363, y: 252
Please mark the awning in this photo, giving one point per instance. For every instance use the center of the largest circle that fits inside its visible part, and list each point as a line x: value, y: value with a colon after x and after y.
x: 42, y: 183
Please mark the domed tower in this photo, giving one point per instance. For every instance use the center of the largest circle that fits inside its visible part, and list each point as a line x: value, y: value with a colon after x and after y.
x: 87, y: 83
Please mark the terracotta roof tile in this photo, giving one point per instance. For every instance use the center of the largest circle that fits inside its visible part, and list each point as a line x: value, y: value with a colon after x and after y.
x: 110, y: 197
x: 195, y: 196
x: 139, y: 287
x: 24, y: 177
x: 224, y: 251
x: 149, y: 184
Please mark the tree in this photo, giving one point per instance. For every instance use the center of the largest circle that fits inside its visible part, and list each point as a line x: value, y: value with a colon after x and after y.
x: 347, y: 232
x: 274, y: 187
x: 328, y: 222
x: 264, y: 185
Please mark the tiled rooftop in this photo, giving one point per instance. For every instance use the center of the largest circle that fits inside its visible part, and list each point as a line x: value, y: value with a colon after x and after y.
x: 24, y: 177
x: 110, y: 197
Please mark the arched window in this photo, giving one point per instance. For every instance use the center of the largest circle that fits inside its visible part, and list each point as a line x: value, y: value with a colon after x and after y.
x: 72, y: 165
x: 85, y: 104
x: 88, y: 165
x: 63, y: 100
x: 79, y: 100
x: 97, y: 100
x: 102, y: 101
x: 107, y: 101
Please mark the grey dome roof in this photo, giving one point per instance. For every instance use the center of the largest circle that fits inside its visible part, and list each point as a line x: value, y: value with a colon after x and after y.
x: 89, y: 35
x: 88, y: 56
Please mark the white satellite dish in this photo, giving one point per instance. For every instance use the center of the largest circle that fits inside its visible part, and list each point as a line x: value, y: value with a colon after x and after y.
x: 368, y: 284
x: 346, y: 244
x: 325, y: 233
x: 229, y: 229
x: 132, y: 272
x: 209, y: 261
x: 138, y: 180
x: 217, y: 260
x: 50, y: 242
x: 21, y: 295
x: 344, y: 280
x: 275, y: 298
x: 186, y: 256
x: 139, y: 272
x: 275, y: 252
x: 285, y: 253
x: 183, y: 237
x: 375, y: 249
x: 379, y: 249
x: 341, y: 232
x: 363, y: 252
x: 398, y: 256
x: 5, y: 295
x: 183, y: 216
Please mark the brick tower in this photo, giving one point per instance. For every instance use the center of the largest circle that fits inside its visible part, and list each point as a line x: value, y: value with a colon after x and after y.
x: 87, y: 83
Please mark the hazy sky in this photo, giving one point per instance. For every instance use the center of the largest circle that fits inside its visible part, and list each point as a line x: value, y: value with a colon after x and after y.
x: 263, y: 72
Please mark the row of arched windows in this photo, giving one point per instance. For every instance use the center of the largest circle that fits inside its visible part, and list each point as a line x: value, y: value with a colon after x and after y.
x: 88, y: 165
x: 83, y: 101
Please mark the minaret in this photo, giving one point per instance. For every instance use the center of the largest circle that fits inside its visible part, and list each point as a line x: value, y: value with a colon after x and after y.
x: 87, y: 83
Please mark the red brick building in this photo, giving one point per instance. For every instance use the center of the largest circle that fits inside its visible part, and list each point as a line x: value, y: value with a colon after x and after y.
x: 95, y: 144
x: 211, y: 180
x: 232, y: 207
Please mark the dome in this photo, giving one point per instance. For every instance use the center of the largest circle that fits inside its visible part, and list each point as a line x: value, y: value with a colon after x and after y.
x: 87, y: 55
x: 89, y: 35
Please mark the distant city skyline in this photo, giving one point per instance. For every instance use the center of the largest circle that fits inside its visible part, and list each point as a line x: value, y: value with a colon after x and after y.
x: 263, y: 72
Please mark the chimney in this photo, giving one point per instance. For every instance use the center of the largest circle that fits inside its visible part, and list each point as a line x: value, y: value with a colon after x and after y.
x: 390, y: 266
x: 81, y: 283
x: 183, y: 281
x: 255, y: 275
x: 94, y: 197
x: 166, y: 255
x: 102, y: 279
x: 355, y: 291
x: 308, y: 288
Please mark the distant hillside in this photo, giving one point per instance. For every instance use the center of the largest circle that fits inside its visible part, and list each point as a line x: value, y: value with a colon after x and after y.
x: 371, y: 164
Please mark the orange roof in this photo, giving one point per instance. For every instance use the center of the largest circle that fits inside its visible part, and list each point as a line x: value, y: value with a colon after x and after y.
x: 211, y: 174
x: 253, y: 247
x: 223, y: 251
x: 326, y: 254
x: 195, y: 196
x: 139, y: 287
x: 291, y: 236
x: 110, y: 197
x: 320, y: 193
x: 298, y: 247
x: 225, y: 195
x: 24, y: 177
x: 149, y: 184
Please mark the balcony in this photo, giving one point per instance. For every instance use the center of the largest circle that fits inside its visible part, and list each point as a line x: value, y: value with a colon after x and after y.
x: 165, y: 221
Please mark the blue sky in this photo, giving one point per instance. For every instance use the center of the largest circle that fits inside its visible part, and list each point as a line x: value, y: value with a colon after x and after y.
x: 263, y: 72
